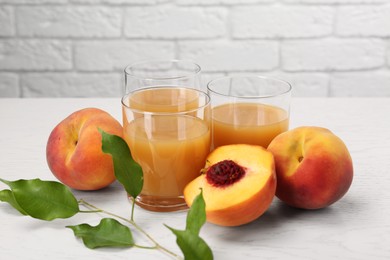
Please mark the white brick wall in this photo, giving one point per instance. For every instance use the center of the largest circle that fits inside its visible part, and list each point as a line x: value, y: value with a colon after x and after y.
x: 114, y: 55
x: 73, y: 48
x: 282, y: 21
x: 232, y: 56
x: 175, y: 22
x: 333, y: 54
x: 69, y: 21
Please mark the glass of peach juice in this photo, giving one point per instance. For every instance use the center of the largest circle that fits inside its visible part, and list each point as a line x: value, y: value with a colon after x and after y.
x: 248, y: 109
x: 175, y: 73
x: 169, y: 134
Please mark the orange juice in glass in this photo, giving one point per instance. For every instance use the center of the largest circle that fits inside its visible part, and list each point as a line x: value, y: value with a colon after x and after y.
x: 169, y: 135
x: 248, y: 109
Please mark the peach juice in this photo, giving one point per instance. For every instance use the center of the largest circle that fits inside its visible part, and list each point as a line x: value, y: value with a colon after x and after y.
x: 168, y: 132
x: 248, y: 123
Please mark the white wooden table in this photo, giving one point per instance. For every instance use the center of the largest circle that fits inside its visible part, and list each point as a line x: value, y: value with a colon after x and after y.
x: 356, y: 227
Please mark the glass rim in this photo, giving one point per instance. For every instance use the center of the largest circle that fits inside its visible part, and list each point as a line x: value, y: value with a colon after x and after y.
x: 207, y: 102
x: 197, y: 69
x: 280, y: 93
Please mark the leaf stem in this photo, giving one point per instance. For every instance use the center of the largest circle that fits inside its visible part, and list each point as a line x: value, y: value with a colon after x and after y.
x: 90, y: 211
x: 145, y: 247
x: 132, y: 209
x: 135, y: 225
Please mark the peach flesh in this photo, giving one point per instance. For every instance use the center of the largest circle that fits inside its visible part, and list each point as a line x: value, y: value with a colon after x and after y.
x: 244, y: 200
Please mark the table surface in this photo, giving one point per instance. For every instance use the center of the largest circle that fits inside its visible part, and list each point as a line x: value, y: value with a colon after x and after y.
x: 356, y: 227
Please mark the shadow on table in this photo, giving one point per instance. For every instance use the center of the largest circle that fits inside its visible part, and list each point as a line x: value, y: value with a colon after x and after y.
x: 273, y: 223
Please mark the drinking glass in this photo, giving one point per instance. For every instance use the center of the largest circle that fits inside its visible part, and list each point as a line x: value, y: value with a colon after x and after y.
x: 169, y: 135
x: 172, y: 73
x: 248, y: 109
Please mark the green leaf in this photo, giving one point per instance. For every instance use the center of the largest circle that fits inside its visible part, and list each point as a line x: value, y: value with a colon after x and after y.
x: 192, y: 246
x: 109, y: 233
x: 196, y: 216
x: 46, y: 200
x: 127, y: 171
x: 8, y: 196
x: 189, y: 241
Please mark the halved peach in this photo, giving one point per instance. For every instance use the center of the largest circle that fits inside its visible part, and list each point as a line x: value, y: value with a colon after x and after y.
x: 238, y: 183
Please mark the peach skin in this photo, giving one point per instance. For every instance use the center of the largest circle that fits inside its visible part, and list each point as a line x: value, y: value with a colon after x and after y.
x: 74, y: 150
x: 313, y: 167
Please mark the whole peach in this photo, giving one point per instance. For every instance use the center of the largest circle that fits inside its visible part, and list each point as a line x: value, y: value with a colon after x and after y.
x: 74, y: 150
x: 313, y: 167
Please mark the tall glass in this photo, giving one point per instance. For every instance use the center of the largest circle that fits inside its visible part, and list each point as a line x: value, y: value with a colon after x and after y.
x: 172, y: 73
x: 169, y: 135
x: 248, y: 109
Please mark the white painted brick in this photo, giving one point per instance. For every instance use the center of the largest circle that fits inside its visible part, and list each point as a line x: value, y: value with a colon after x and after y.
x: 31, y: 54
x: 362, y: 84
x: 9, y: 85
x: 86, y: 1
x: 6, y: 21
x: 216, y: 2
x: 332, y: 54
x: 335, y: 1
x: 219, y: 56
x: 306, y: 84
x: 71, y: 21
x: 282, y: 21
x: 364, y: 21
x: 33, y: 1
x: 80, y: 47
x: 169, y: 22
x: 143, y: 2
x: 388, y: 55
x: 71, y: 85
x: 116, y: 55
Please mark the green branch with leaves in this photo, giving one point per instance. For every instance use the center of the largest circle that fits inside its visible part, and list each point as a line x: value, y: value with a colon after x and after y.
x: 49, y: 200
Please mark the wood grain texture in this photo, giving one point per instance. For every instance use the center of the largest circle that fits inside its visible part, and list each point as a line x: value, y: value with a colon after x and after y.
x: 356, y: 227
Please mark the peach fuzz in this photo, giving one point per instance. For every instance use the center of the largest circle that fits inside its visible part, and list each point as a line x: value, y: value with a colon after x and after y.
x: 74, y: 150
x: 240, y: 202
x: 313, y: 167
